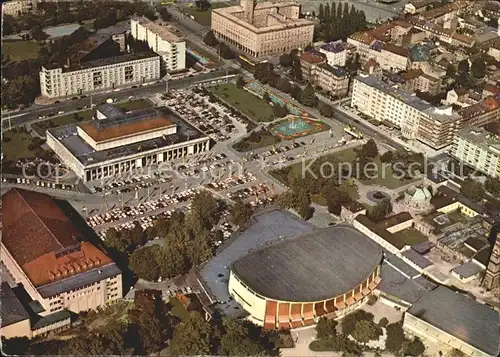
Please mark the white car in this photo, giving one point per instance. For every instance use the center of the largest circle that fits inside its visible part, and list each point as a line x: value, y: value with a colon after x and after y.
x: 60, y: 112
x: 407, y: 148
x: 41, y: 117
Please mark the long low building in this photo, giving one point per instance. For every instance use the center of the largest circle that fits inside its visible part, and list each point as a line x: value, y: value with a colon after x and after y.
x: 43, y: 251
x: 290, y: 284
x: 456, y: 320
x: 117, y: 142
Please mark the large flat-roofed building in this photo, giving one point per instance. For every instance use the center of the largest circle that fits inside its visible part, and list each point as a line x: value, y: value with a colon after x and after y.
x: 161, y: 40
x: 260, y: 29
x: 292, y: 283
x: 99, y: 75
x: 478, y: 148
x: 117, y: 142
x: 43, y: 250
x: 455, y: 320
x: 436, y: 127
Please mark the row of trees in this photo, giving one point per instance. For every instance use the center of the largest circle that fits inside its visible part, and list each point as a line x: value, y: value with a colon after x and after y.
x: 338, y: 22
x: 224, y: 50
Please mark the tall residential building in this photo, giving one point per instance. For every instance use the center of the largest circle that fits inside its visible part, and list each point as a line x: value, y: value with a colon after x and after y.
x: 260, y: 29
x: 416, y: 118
x: 335, y: 52
x: 492, y: 276
x: 479, y: 149
x: 43, y: 250
x: 99, y: 75
x: 161, y: 40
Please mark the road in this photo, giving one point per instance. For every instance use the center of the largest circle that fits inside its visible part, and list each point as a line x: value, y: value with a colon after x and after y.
x: 31, y: 114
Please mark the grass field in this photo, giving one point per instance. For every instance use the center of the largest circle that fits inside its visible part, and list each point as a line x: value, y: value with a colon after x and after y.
x: 178, y: 310
x: 247, y: 103
x: 410, y: 236
x: 41, y: 127
x: 384, y: 178
x: 15, y: 145
x: 204, y: 17
x: 20, y: 50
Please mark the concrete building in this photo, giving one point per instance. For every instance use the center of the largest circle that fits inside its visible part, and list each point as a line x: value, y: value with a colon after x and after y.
x: 161, y: 40
x: 417, y: 119
x: 260, y: 29
x: 18, y: 7
x: 362, y: 41
x: 335, y: 52
x: 275, y: 285
x: 99, y: 75
x: 391, y: 57
x: 309, y: 61
x: 417, y: 6
x: 448, y: 317
x: 484, y: 112
x: 115, y: 142
x: 43, y: 250
x: 332, y: 79
x: 478, y: 148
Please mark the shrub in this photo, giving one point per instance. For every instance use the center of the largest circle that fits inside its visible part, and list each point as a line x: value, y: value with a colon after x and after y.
x: 395, y: 337
x: 383, y: 322
x: 349, y: 322
x: 372, y: 300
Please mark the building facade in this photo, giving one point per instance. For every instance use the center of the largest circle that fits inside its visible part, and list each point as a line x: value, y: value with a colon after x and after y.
x: 99, y: 75
x: 18, y: 7
x: 416, y: 118
x: 333, y: 80
x: 479, y: 149
x: 56, y: 269
x: 161, y: 40
x: 124, y: 143
x: 262, y: 29
x: 335, y: 52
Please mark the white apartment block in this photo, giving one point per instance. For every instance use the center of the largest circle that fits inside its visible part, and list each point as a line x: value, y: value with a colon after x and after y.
x: 161, y: 40
x: 335, y: 52
x: 479, y: 149
x: 334, y: 80
x: 17, y: 7
x: 362, y: 41
x: 416, y: 118
x: 99, y: 75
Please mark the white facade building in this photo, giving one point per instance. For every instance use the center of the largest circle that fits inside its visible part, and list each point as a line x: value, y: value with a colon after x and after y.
x: 335, y: 52
x: 479, y: 149
x: 99, y: 75
x: 161, y: 40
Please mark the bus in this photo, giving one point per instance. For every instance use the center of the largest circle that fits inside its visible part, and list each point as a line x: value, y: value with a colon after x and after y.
x: 353, y: 131
x: 249, y: 64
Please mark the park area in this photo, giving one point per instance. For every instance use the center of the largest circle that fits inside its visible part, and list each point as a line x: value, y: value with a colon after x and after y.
x: 42, y: 126
x: 16, y: 144
x: 20, y: 50
x: 256, y: 140
x: 252, y: 106
x: 204, y: 17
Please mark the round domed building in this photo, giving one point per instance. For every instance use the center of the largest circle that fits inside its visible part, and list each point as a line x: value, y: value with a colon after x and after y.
x: 418, y: 197
x: 292, y: 283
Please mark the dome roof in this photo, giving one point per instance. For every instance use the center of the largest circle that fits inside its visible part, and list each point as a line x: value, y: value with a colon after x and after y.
x: 419, y: 193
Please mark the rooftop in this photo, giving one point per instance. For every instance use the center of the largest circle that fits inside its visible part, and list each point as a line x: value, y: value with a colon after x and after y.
x: 313, y: 57
x: 480, y: 137
x: 487, y: 105
x: 87, y: 155
x: 398, y: 50
x: 460, y: 316
x: 311, y: 267
x: 335, y: 46
x: 161, y: 31
x: 467, y: 270
x: 364, y: 37
x: 51, y: 319
x: 12, y: 310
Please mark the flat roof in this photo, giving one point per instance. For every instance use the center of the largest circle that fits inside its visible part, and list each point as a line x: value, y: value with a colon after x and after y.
x: 482, y: 138
x: 266, y: 228
x: 311, y: 267
x: 417, y: 259
x: 124, y: 130
x: 468, y: 269
x: 460, y: 316
x: 51, y: 319
x: 12, y: 310
x: 161, y: 31
x: 67, y: 136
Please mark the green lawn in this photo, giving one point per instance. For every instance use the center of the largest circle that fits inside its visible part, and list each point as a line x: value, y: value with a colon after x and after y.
x: 384, y: 178
x: 178, y: 310
x: 15, y: 145
x: 41, y: 127
x: 204, y: 17
x: 20, y: 50
x: 249, y: 104
x: 411, y: 236
x: 251, y: 142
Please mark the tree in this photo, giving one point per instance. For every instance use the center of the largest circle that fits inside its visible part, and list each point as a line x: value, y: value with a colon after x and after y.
x: 240, y: 82
x: 284, y: 85
x: 335, y: 199
x: 241, y: 339
x: 192, y: 337
x: 383, y: 322
x: 296, y: 67
x: 473, y: 189
x: 165, y: 15
x: 266, y: 97
x: 451, y: 70
x: 349, y: 322
x: 143, y: 262
x: 115, y: 240
x: 478, y: 68
x: 210, y: 39
x: 326, y: 328
x: 413, y: 348
x: 225, y: 51
x: 308, y: 96
x: 387, y: 156
x: 369, y: 149
x: 280, y: 111
x: 366, y: 331
x: 206, y: 209
x: 463, y: 66
x: 203, y: 5
x: 325, y: 109
x: 241, y: 212
x: 321, y: 12
x: 381, y: 210
x: 38, y: 34
x: 285, y: 60
x: 493, y: 186
x: 395, y: 337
